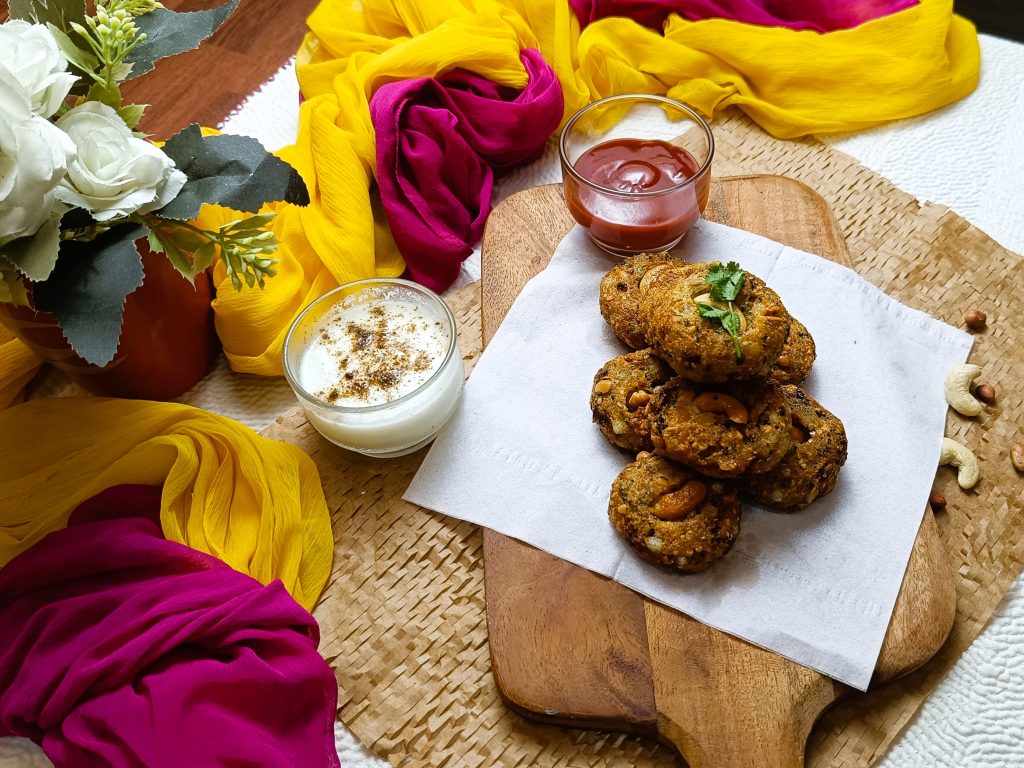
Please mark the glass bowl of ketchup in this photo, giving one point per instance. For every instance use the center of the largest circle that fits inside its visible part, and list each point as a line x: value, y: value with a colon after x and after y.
x: 636, y: 170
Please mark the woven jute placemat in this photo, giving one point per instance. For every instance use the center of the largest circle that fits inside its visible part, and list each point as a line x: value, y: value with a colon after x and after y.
x: 402, y: 618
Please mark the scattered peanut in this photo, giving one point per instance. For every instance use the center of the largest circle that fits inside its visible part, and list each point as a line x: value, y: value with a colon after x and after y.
x: 986, y: 393
x: 678, y: 503
x: 638, y: 400
x: 1017, y: 456
x: 603, y: 387
x: 719, y: 402
x: 975, y: 319
x: 937, y: 501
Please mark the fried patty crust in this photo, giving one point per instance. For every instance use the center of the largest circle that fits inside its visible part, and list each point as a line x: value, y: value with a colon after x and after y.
x: 722, y: 430
x: 673, y: 516
x: 797, y: 356
x: 621, y: 397
x: 700, y: 349
x: 620, y: 294
x: 809, y: 470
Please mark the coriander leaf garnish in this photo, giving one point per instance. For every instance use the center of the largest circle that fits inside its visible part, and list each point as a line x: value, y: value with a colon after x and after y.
x: 726, y: 282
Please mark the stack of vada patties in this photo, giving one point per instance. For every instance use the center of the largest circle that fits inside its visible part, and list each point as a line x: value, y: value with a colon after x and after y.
x: 710, y: 403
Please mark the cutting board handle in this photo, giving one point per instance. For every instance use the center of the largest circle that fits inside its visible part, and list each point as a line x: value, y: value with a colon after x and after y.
x: 723, y: 703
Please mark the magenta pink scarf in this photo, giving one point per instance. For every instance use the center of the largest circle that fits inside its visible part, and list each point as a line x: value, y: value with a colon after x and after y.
x: 439, y: 143
x: 819, y: 15
x: 121, y: 649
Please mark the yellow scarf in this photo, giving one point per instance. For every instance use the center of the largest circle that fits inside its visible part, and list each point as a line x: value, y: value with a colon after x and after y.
x: 792, y: 83
x: 254, y: 503
x: 17, y: 366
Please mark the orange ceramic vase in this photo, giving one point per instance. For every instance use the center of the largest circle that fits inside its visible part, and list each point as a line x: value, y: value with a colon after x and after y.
x: 167, y: 340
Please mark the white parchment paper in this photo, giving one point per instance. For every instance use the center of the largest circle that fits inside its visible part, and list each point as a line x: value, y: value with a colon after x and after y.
x: 521, y: 455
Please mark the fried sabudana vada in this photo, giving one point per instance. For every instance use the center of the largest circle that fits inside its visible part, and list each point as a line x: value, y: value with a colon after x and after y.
x: 700, y: 349
x: 621, y: 396
x: 722, y: 430
x: 672, y: 516
x: 620, y: 294
x: 809, y: 470
x: 797, y: 356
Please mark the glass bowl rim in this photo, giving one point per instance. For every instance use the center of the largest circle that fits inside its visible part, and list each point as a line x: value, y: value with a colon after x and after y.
x: 453, y: 344
x: 648, y: 97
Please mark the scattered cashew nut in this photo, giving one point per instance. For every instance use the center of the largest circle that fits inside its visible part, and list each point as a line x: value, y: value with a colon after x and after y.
x: 961, y: 457
x: 719, y: 402
x: 958, y: 389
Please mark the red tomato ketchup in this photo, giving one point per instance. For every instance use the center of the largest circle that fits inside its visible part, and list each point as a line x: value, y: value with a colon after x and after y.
x: 644, y: 194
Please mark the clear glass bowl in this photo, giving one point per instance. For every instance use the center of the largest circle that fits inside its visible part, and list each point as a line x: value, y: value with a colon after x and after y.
x: 399, y: 426
x: 628, y: 222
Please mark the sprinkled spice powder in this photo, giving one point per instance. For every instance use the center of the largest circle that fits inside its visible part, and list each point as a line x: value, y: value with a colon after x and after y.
x: 372, y: 352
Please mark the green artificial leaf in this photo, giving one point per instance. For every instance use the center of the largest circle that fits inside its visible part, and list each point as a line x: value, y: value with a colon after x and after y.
x: 233, y: 171
x: 87, y: 289
x: 132, y: 113
x: 82, y: 60
x: 177, y: 243
x: 12, y: 286
x: 121, y: 72
x: 202, y: 258
x: 60, y: 13
x: 169, y: 33
x: 155, y: 244
x: 109, y: 94
x: 36, y: 255
x: 726, y: 281
x: 250, y: 225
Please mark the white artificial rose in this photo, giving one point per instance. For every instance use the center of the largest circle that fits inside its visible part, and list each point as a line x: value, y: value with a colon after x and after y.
x: 30, y: 58
x: 115, y: 173
x: 34, y: 155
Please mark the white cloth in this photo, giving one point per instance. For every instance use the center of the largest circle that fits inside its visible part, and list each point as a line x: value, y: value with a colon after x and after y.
x: 521, y: 455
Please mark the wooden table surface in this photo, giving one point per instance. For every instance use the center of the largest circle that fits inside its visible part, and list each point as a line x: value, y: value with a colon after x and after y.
x: 204, y: 86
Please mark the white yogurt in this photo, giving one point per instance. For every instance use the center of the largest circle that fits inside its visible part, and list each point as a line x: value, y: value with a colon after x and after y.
x: 376, y: 364
x: 372, y: 352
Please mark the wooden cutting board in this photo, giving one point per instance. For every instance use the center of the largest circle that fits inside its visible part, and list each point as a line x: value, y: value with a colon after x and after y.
x: 570, y: 647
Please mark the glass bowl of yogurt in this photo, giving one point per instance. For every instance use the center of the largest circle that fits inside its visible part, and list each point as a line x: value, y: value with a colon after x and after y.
x: 377, y: 366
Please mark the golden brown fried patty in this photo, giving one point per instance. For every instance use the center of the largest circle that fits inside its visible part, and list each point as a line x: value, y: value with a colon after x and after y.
x: 797, y: 357
x: 700, y: 349
x: 811, y: 467
x: 673, y: 516
x: 621, y: 396
x: 722, y: 430
x: 620, y: 294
